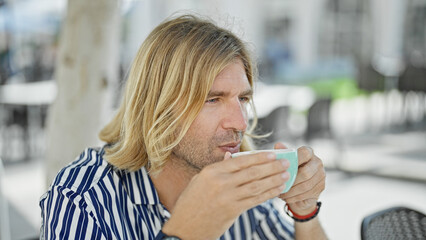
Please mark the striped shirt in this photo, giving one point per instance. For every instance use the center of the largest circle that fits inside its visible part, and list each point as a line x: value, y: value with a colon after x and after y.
x: 90, y: 199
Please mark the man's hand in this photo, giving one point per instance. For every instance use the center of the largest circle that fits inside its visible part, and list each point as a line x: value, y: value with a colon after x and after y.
x: 309, y: 183
x: 216, y: 196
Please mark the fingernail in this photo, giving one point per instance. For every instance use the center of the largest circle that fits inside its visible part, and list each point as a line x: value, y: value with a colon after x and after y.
x: 310, y: 150
x: 285, y: 175
x: 271, y: 156
x: 285, y: 163
x: 282, y: 187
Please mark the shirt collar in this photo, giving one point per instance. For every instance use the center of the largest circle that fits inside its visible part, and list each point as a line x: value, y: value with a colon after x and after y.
x: 139, y: 187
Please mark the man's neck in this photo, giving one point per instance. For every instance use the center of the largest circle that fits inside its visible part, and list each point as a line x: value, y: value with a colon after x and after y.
x: 171, y: 181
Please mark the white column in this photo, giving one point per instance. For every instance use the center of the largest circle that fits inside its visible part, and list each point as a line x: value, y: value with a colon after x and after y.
x: 140, y: 24
x: 307, y: 25
x: 86, y: 74
x: 388, y: 26
x: 4, y: 207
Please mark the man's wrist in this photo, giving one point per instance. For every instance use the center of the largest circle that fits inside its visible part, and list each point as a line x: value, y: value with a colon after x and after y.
x: 305, y: 217
x: 169, y: 230
x: 305, y: 210
x: 161, y: 235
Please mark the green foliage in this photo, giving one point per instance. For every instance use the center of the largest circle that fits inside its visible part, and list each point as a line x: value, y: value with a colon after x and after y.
x: 337, y: 88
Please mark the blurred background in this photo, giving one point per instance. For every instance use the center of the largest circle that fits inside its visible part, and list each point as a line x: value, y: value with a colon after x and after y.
x: 345, y: 77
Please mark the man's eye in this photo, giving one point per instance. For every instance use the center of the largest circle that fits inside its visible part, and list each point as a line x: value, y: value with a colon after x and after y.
x: 212, y: 100
x: 244, y: 99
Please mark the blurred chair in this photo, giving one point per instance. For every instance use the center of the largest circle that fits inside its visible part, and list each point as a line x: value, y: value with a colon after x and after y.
x: 394, y: 223
x: 4, y: 216
x: 15, y: 133
x: 319, y: 129
x: 319, y: 120
x: 412, y: 79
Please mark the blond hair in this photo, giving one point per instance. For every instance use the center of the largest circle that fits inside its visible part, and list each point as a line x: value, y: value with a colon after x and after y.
x: 166, y: 88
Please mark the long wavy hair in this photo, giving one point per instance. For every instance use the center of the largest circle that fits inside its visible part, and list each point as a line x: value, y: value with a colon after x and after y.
x: 166, y: 88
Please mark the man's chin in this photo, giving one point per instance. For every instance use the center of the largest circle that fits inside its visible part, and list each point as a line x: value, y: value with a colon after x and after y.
x: 215, y: 158
x: 198, y: 163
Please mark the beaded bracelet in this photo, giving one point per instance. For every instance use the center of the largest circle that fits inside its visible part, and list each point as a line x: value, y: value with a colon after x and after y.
x: 305, y: 218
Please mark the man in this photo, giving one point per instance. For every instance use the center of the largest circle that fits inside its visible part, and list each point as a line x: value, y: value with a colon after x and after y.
x: 166, y: 171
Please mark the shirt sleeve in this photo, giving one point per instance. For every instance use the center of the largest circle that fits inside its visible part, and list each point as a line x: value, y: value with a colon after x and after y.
x: 64, y: 216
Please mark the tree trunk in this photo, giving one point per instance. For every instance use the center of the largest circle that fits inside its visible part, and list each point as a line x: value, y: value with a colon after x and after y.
x: 86, y: 74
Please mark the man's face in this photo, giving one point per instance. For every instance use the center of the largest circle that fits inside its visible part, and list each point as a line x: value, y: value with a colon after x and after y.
x: 220, y: 125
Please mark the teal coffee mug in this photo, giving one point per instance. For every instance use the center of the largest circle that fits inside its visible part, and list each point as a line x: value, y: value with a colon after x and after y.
x: 289, y: 154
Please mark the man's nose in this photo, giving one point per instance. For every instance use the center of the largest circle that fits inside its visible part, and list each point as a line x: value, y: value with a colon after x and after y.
x: 236, y: 117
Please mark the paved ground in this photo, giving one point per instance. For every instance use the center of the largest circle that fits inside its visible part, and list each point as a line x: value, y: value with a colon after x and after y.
x: 372, y: 172
x: 348, y: 199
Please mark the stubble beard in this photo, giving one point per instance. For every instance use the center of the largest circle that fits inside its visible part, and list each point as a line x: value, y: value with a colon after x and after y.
x: 194, y: 154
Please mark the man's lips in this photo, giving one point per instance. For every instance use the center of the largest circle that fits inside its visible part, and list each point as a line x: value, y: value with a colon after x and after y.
x: 231, y: 147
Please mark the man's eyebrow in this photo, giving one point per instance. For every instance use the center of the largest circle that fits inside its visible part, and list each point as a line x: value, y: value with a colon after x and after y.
x: 248, y: 92
x: 216, y: 94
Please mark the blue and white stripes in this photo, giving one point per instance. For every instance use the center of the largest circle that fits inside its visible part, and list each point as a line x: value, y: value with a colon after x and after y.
x: 90, y: 199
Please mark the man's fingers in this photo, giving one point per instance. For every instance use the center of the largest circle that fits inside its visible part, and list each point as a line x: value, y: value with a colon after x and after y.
x: 313, y: 193
x: 280, y: 145
x: 308, y: 170
x: 242, y: 162
x: 260, y: 171
x: 317, y: 180
x: 258, y: 187
x: 227, y: 156
x: 304, y: 154
x: 260, y: 198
